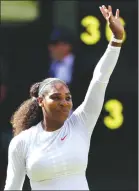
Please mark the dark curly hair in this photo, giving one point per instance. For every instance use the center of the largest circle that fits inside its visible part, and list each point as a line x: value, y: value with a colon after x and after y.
x: 29, y: 112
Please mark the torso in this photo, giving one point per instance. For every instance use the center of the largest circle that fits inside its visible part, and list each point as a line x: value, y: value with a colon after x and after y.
x: 52, y: 155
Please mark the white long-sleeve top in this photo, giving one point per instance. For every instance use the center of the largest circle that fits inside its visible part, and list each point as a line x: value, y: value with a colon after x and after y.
x: 58, y: 160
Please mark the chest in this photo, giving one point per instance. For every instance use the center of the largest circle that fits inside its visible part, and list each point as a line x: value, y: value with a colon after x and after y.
x: 56, y: 155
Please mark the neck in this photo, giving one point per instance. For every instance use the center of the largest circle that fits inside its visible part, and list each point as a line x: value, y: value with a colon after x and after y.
x: 50, y: 125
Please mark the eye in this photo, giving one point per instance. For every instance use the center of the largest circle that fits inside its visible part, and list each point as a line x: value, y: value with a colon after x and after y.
x: 68, y: 98
x: 55, y: 98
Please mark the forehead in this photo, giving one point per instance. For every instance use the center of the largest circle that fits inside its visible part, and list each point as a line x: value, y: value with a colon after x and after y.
x: 58, y: 88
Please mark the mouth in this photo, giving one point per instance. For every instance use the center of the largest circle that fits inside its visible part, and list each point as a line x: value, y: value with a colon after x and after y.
x: 65, y: 111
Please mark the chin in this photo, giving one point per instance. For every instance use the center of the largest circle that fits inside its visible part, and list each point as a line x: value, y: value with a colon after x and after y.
x: 63, y: 118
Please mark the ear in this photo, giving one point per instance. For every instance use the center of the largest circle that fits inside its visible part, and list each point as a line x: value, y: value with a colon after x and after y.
x: 40, y: 101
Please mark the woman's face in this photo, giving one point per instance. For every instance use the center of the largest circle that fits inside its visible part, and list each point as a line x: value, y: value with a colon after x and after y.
x: 57, y: 103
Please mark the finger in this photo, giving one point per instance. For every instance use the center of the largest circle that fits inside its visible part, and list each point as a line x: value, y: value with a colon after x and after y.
x: 109, y: 17
x: 104, y: 7
x: 117, y: 13
x: 110, y: 9
x: 104, y: 11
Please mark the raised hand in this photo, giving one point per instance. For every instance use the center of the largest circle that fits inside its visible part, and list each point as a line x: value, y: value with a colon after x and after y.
x: 113, y: 21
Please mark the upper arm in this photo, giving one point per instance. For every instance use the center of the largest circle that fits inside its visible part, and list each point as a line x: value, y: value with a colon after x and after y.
x: 88, y: 112
x: 16, y: 166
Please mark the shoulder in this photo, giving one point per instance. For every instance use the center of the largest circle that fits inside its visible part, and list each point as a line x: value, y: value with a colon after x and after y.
x: 75, y: 118
x: 21, y: 140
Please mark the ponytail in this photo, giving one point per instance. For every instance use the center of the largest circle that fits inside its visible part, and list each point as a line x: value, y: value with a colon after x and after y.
x: 28, y: 114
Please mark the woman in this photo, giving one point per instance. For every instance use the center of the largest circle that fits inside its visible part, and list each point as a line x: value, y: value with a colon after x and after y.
x: 53, y: 148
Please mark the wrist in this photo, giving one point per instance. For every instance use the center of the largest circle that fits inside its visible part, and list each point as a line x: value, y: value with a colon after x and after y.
x: 116, y: 41
x: 119, y: 36
x: 115, y: 44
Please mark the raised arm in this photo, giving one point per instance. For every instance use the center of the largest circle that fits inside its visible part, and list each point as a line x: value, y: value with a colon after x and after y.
x: 88, y: 112
x: 16, y: 165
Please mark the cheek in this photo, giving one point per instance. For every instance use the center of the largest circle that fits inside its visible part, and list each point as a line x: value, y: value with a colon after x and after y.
x: 50, y: 106
x: 71, y: 105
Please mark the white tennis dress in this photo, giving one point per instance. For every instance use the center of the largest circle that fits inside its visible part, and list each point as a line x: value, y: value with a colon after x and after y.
x: 58, y: 160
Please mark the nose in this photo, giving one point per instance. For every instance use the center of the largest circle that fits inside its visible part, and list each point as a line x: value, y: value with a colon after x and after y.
x: 63, y: 103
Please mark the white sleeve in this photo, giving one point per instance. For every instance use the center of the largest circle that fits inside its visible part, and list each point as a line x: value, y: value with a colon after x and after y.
x: 88, y: 112
x: 16, y: 165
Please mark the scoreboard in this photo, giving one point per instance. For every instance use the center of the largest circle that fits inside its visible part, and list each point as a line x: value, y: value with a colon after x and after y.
x: 18, y: 11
